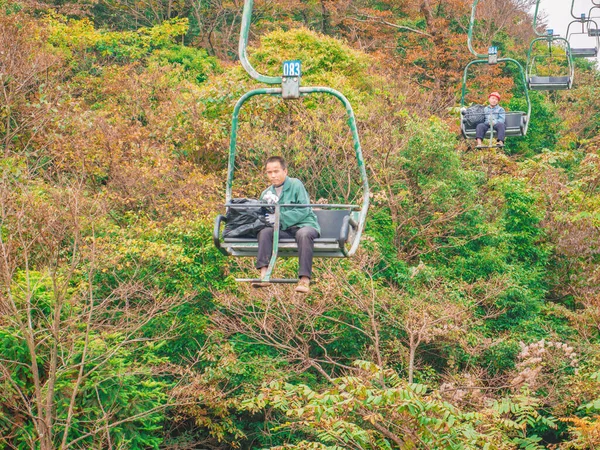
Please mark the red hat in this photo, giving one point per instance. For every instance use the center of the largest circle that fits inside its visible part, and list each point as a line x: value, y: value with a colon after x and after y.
x: 494, y: 94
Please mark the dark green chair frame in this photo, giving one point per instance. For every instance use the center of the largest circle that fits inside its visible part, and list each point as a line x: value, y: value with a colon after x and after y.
x: 517, y: 122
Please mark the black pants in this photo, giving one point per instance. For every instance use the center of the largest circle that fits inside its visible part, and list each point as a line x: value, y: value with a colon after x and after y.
x: 483, y: 128
x: 305, y: 238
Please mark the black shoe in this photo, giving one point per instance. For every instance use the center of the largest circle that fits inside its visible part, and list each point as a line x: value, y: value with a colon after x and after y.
x: 500, y: 144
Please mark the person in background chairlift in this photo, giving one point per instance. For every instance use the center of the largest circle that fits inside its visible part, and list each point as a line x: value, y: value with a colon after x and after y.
x: 298, y: 223
x: 497, y: 115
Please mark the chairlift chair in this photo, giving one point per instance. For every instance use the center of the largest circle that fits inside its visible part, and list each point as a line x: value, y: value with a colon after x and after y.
x: 551, y: 82
x: 338, y: 232
x: 548, y: 83
x: 516, y: 122
x: 586, y: 25
x: 594, y: 31
x: 341, y: 225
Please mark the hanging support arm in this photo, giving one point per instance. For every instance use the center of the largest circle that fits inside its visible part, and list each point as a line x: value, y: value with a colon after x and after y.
x: 243, y: 45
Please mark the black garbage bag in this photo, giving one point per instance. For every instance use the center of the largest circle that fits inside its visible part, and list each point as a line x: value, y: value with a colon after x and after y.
x: 475, y: 115
x: 245, y: 222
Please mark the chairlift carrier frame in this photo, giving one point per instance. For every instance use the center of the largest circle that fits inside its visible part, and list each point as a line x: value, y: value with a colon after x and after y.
x: 549, y: 83
x: 516, y: 122
x: 348, y: 223
x: 593, y: 32
x: 584, y: 52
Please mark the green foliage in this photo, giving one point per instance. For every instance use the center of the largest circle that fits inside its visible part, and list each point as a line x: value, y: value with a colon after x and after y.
x: 593, y: 406
x: 9, y: 7
x: 195, y: 61
x: 325, y: 61
x: 518, y: 413
x: 320, y: 55
x: 127, y: 390
x: 118, y: 386
x: 375, y: 410
x: 429, y: 193
x: 80, y: 36
x: 87, y: 46
x: 545, y: 126
x: 468, y: 256
x: 512, y: 246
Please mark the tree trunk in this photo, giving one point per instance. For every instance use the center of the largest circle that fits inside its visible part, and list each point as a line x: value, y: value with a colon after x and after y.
x: 326, y: 19
x: 426, y: 10
x: 411, y: 357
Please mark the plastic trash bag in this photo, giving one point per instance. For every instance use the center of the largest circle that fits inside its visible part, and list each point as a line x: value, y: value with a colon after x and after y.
x: 245, y: 222
x: 474, y: 115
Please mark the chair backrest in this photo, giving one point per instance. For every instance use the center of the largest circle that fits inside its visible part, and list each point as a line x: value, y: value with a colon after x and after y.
x: 584, y: 52
x: 331, y: 221
x: 513, y: 120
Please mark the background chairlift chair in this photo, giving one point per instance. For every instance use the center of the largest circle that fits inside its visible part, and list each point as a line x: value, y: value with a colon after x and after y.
x: 594, y: 16
x: 341, y: 225
x: 548, y: 83
x: 551, y: 82
x: 586, y: 24
x: 516, y: 122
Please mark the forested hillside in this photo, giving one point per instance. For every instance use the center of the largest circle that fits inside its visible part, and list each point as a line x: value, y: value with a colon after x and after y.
x: 468, y: 319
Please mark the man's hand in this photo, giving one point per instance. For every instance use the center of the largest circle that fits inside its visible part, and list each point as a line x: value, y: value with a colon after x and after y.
x: 270, y: 198
x: 270, y: 219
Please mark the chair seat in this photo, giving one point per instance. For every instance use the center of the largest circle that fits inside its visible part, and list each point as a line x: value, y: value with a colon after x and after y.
x: 324, y: 248
x: 549, y: 83
x: 281, y: 241
x: 335, y: 233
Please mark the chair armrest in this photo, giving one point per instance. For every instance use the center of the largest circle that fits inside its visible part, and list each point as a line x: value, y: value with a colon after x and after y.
x: 345, y: 231
x: 217, y: 233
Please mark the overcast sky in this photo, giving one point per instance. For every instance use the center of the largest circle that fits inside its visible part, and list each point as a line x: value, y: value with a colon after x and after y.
x: 559, y: 13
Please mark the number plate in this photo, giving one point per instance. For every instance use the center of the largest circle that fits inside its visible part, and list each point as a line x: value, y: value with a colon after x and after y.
x: 291, y: 68
x: 493, y: 55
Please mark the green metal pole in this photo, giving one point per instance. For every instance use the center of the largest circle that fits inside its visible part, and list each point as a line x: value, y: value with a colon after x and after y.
x: 470, y: 33
x: 464, y: 85
x: 535, y: 16
x: 275, y: 252
x: 524, y: 81
x: 243, y: 44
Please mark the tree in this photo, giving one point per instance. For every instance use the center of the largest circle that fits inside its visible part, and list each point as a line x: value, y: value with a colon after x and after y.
x: 69, y: 344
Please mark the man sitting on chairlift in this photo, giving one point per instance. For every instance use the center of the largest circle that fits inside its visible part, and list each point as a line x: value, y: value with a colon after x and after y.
x: 494, y: 114
x: 296, y: 223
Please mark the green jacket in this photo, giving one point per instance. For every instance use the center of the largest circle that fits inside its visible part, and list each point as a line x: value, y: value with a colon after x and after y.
x: 294, y: 192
